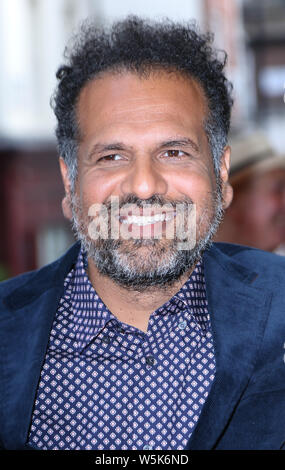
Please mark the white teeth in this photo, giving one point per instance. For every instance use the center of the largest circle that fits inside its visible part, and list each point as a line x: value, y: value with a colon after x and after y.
x: 146, y: 220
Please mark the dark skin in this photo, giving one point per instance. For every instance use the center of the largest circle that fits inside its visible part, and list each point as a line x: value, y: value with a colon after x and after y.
x: 142, y: 136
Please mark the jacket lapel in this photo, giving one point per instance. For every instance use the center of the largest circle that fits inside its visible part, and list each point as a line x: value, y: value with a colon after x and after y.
x: 24, y: 335
x: 238, y: 312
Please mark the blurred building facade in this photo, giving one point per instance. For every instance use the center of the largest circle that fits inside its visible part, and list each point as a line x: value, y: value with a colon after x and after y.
x: 264, y: 23
x: 33, y: 34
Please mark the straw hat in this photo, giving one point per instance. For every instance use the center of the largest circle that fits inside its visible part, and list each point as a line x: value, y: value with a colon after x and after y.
x: 253, y: 153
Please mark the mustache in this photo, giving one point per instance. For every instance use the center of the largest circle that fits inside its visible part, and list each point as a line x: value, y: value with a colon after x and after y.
x: 155, y: 199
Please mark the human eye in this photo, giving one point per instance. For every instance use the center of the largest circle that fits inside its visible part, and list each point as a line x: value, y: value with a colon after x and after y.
x: 175, y: 153
x: 114, y: 157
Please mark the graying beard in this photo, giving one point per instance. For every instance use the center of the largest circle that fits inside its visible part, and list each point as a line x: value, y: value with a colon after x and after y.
x: 110, y: 263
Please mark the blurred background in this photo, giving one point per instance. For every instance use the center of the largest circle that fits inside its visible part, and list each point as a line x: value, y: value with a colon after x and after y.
x: 33, y: 34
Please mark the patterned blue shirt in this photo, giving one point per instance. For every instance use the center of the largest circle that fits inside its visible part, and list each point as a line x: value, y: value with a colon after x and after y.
x: 107, y: 385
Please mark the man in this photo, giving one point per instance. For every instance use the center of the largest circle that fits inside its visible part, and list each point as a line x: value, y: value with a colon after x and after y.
x: 154, y: 340
x: 256, y: 216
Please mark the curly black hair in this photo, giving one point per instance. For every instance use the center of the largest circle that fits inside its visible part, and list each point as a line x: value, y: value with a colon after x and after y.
x: 140, y: 45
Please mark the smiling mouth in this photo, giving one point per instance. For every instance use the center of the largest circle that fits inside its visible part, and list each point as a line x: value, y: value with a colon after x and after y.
x: 146, y: 219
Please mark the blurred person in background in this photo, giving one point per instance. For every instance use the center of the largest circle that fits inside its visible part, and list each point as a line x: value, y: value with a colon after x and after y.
x: 256, y: 216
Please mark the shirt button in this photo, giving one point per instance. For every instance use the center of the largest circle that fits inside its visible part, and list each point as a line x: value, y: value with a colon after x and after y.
x: 182, y: 325
x: 146, y: 447
x: 150, y: 360
x: 106, y: 340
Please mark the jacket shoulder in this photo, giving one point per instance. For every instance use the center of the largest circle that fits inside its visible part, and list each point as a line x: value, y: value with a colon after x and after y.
x: 29, y: 278
x: 252, y: 258
x: 13, y: 283
x: 41, y: 278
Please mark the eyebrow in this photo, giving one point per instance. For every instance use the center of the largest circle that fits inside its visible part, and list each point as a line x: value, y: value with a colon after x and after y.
x: 101, y: 148
x: 115, y: 146
x: 183, y: 142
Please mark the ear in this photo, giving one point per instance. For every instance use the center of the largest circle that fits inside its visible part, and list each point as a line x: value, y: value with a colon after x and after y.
x: 227, y: 189
x: 66, y: 202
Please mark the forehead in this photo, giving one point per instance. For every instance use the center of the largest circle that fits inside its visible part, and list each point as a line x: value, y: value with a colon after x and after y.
x: 118, y: 99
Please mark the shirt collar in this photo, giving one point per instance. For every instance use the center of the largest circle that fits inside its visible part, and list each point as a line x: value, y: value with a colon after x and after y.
x: 192, y: 296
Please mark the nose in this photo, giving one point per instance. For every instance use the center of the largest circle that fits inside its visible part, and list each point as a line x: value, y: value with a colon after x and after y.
x: 144, y: 180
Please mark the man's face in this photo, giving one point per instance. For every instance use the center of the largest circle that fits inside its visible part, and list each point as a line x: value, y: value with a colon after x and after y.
x: 143, y: 141
x: 260, y: 210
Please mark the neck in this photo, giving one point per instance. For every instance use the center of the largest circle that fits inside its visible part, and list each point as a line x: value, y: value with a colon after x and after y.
x: 130, y: 306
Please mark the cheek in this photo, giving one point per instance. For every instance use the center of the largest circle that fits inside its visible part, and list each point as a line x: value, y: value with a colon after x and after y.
x: 196, y: 186
x: 93, y: 189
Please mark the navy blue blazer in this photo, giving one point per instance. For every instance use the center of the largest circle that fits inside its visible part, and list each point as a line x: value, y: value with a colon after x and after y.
x: 246, y: 294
